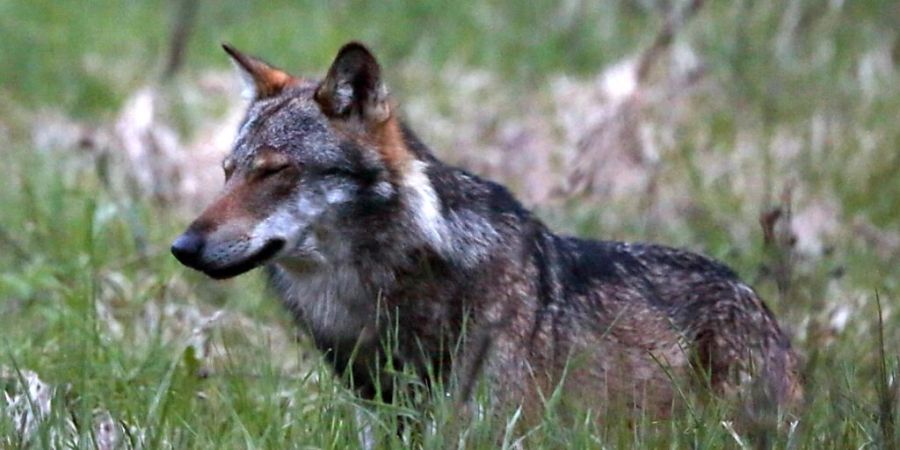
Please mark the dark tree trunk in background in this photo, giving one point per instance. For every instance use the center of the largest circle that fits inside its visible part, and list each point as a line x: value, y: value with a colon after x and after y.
x: 182, y: 26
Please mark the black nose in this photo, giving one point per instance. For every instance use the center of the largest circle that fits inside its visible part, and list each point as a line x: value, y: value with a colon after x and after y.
x: 187, y: 248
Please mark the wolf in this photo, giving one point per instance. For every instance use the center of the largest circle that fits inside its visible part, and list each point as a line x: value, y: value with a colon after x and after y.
x: 387, y: 256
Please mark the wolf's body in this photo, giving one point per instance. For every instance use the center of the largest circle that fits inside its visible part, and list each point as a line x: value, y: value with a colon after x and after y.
x: 383, y: 252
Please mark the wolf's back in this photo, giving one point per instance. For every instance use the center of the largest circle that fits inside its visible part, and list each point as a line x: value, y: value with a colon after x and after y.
x: 727, y: 333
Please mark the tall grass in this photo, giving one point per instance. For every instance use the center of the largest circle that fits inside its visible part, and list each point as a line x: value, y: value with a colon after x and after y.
x: 129, y: 342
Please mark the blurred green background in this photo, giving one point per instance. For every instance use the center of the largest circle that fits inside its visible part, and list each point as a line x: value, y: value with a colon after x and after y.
x: 763, y: 133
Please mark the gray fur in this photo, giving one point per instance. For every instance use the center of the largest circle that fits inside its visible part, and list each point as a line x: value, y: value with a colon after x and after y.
x: 417, y: 252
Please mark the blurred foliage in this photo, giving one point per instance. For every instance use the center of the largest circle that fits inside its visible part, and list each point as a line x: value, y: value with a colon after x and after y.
x: 69, y: 247
x: 85, y: 57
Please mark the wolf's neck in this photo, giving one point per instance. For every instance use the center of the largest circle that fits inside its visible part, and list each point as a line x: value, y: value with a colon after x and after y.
x: 455, y: 214
x: 424, y: 208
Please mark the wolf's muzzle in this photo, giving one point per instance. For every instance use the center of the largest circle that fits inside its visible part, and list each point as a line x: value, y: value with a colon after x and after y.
x: 189, y: 250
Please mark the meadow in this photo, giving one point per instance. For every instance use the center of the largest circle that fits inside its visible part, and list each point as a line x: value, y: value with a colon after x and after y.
x: 765, y: 134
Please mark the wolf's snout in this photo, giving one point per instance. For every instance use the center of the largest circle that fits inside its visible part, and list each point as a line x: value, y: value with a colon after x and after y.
x: 187, y: 248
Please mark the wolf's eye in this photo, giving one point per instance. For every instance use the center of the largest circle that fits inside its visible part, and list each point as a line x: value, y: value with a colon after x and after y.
x: 269, y: 162
x: 271, y: 169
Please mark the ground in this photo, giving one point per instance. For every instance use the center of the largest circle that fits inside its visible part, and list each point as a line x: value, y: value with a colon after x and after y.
x: 764, y: 134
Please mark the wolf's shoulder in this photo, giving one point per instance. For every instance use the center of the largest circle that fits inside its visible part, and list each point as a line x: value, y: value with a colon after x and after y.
x: 462, y: 190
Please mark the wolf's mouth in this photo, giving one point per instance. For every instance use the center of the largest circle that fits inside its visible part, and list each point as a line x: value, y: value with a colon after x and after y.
x: 267, y: 251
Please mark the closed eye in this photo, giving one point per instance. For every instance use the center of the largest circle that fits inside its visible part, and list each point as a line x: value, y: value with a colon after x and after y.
x: 273, y: 169
x: 269, y: 161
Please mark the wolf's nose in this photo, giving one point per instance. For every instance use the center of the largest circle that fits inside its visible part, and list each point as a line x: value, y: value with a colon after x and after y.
x: 187, y: 248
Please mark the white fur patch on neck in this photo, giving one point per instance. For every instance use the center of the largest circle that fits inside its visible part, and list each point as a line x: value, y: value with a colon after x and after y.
x: 462, y: 236
x: 425, y: 206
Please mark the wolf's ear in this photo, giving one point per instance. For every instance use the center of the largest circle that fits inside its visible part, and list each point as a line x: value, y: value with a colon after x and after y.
x: 260, y: 79
x: 353, y: 87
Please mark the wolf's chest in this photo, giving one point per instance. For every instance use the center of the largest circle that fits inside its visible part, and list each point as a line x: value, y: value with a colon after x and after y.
x: 333, y: 305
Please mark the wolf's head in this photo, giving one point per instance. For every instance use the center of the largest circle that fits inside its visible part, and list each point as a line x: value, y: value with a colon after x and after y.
x: 311, y: 160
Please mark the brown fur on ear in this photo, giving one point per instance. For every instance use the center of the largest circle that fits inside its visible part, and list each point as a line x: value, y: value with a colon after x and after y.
x: 353, y: 87
x: 261, y: 79
x: 354, y: 96
x: 392, y: 146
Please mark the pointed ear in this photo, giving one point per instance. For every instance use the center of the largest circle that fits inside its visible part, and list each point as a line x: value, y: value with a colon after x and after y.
x: 353, y: 87
x: 260, y: 79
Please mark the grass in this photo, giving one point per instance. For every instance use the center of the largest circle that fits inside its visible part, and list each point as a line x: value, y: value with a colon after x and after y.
x: 92, y: 303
